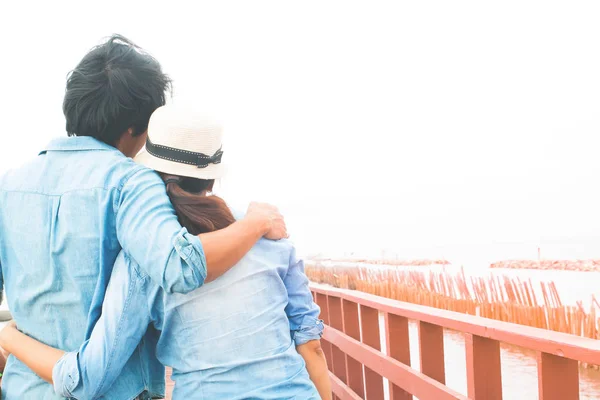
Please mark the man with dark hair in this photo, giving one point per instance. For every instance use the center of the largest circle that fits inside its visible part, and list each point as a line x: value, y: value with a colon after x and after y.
x: 66, y: 215
x: 116, y: 87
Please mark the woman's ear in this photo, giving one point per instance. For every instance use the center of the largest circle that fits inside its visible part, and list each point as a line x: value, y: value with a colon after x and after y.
x: 210, y: 186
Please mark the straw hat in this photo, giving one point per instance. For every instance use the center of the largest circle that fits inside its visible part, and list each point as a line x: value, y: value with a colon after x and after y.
x: 184, y: 142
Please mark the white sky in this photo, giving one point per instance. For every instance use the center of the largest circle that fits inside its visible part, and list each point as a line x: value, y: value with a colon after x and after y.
x: 408, y: 126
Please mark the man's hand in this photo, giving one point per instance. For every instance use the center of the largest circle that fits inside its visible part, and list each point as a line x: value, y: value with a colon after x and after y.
x: 274, y: 224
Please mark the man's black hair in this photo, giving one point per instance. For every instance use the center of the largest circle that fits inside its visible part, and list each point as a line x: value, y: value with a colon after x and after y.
x: 116, y: 86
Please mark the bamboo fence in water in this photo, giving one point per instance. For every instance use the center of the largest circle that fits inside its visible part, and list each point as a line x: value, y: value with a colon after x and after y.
x: 498, y: 297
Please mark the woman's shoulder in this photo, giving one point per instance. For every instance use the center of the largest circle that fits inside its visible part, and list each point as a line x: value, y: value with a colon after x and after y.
x: 280, y: 246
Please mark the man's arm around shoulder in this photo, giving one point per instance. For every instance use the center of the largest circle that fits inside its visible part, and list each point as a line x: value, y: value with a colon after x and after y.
x: 148, y: 230
x: 224, y: 248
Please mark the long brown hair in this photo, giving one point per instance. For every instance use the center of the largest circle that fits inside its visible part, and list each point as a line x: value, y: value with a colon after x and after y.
x: 197, y: 211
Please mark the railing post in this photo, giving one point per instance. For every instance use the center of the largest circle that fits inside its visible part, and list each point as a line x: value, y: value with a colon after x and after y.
x: 326, y: 346
x: 398, y: 347
x: 484, y: 376
x: 558, y: 377
x: 336, y: 321
x: 369, y: 322
x: 431, y: 346
x: 354, y: 369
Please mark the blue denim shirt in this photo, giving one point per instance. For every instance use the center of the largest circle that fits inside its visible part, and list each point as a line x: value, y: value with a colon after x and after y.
x: 234, y: 338
x: 64, y: 218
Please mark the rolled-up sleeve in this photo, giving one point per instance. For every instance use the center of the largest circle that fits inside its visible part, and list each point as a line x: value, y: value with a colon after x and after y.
x: 148, y: 230
x: 310, y: 329
x: 65, y: 375
x: 301, y: 310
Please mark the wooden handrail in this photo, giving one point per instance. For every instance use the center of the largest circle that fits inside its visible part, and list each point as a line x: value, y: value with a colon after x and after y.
x: 352, y: 346
x: 555, y: 343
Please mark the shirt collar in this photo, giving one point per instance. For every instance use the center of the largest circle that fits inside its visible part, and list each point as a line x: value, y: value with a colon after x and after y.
x: 77, y: 143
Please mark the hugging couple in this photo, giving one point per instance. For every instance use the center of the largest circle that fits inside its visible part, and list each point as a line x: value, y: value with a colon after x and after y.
x: 115, y: 268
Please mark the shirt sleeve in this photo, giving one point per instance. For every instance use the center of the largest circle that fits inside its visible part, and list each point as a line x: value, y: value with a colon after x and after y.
x: 148, y: 230
x: 90, y: 372
x: 1, y: 285
x: 301, y: 310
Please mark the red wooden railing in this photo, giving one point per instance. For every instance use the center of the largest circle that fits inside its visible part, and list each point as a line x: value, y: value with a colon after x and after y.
x: 352, y: 340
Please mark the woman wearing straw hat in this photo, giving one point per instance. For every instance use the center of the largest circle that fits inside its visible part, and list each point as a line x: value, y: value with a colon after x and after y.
x: 252, y: 333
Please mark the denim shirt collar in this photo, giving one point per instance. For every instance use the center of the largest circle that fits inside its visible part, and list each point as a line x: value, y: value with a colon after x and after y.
x: 77, y: 143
